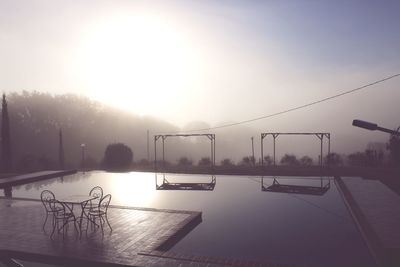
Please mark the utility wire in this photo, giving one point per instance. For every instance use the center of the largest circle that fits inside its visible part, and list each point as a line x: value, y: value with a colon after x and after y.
x: 295, y: 108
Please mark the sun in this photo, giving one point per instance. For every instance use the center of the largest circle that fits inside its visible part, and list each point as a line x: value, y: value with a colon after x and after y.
x: 138, y: 61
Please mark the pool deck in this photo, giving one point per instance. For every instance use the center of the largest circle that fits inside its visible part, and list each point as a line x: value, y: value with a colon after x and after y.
x: 32, y: 177
x: 140, y: 237
x: 376, y: 211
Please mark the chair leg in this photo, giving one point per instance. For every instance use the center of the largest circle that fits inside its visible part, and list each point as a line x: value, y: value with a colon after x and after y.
x: 44, y: 224
x: 55, y: 225
x: 108, y: 222
x: 101, y: 225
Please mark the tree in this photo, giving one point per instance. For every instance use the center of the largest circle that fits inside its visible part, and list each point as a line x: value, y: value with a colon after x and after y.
x: 356, y: 159
x: 184, y: 161
x: 117, y: 156
x: 60, y: 150
x: 246, y: 161
x: 394, y: 148
x: 267, y: 161
x: 5, y: 137
x: 226, y: 162
x: 333, y: 159
x: 206, y: 161
x: 306, y: 161
x: 289, y: 160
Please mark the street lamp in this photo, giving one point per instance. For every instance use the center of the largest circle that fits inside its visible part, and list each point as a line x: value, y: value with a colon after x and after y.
x: 83, y: 155
x: 373, y: 126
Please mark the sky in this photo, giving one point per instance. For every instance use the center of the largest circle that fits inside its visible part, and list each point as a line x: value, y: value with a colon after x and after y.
x: 213, y: 62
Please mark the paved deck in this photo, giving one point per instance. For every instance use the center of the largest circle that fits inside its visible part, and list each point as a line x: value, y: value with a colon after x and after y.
x: 134, y: 231
x: 376, y: 210
x: 32, y: 177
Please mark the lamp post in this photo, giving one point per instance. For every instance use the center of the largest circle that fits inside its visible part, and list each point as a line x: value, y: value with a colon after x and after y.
x: 373, y: 126
x: 83, y: 155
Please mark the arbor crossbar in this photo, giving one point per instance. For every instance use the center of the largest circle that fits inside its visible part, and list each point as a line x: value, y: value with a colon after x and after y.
x: 163, y: 137
x: 275, y: 135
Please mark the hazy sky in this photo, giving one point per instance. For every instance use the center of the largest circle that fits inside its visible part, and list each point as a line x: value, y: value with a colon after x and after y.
x: 212, y: 61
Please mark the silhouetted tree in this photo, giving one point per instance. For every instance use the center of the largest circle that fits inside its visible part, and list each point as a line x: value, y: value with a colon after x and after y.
x: 206, y: 161
x: 333, y: 159
x: 267, y: 161
x: 117, y: 156
x: 5, y: 137
x: 246, y: 161
x: 60, y: 150
x: 144, y: 162
x: 289, y: 160
x: 394, y: 148
x: 372, y: 158
x: 226, y: 163
x: 46, y: 163
x: 184, y: 161
x: 306, y: 161
x: 356, y: 159
x: 27, y: 163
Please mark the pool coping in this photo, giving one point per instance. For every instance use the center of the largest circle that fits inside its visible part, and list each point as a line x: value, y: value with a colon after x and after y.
x: 368, y: 234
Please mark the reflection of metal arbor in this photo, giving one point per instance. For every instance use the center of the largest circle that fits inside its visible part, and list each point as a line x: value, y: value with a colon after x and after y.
x: 166, y: 185
x: 275, y: 135
x: 211, y: 137
x: 297, y: 189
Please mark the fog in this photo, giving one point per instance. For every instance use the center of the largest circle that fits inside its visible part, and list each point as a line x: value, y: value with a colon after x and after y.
x: 177, y: 66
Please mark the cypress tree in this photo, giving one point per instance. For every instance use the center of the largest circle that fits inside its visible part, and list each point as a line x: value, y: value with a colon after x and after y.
x: 5, y: 137
x: 60, y: 150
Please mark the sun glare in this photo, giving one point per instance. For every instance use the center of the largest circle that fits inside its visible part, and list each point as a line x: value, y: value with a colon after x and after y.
x: 133, y: 189
x: 138, y: 62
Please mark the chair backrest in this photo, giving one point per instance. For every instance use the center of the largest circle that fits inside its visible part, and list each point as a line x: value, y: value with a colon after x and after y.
x: 47, y: 197
x: 57, y: 207
x: 105, y: 202
x: 60, y: 209
x: 96, y: 191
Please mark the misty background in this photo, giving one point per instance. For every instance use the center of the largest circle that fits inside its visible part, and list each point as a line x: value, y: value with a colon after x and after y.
x: 36, y: 118
x: 108, y: 71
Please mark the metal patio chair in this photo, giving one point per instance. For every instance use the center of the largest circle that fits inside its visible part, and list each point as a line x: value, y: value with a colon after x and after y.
x: 47, y: 197
x: 100, y: 212
x: 96, y: 191
x: 63, y: 215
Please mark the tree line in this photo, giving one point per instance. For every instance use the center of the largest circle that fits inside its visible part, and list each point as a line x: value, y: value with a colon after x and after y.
x: 44, y: 131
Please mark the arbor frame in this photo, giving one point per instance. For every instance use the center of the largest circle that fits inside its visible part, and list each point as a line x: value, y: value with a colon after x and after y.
x: 320, y: 136
x: 163, y: 137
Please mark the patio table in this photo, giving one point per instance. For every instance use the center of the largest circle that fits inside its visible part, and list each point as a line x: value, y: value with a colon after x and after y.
x: 81, y: 200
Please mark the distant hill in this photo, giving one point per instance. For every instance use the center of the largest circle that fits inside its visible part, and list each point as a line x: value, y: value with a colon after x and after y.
x: 36, y: 118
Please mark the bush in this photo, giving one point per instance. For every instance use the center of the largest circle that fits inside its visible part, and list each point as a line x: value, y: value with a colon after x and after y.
x: 289, y: 160
x: 227, y: 163
x: 117, y: 156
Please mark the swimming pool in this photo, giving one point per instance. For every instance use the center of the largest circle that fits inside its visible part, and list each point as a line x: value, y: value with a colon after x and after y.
x: 244, y: 217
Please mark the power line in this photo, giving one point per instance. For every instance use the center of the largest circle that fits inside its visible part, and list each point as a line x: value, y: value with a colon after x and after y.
x: 295, y: 108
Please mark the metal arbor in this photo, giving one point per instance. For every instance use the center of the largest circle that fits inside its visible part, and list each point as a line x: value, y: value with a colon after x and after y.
x: 275, y: 135
x: 163, y: 137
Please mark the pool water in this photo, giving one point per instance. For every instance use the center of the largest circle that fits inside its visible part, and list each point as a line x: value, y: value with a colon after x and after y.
x: 240, y: 219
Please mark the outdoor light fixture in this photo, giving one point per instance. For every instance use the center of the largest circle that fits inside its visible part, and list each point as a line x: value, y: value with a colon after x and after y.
x: 373, y: 126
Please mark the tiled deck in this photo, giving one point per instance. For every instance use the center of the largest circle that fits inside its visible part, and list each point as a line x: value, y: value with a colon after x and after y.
x: 134, y: 231
x: 376, y: 210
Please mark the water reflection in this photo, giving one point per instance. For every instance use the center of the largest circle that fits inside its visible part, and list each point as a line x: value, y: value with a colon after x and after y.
x: 304, y: 189
x: 176, y: 185
x: 8, y: 192
x: 133, y: 188
x: 43, y: 184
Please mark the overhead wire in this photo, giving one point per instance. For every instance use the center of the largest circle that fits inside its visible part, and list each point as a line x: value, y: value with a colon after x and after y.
x: 292, y: 109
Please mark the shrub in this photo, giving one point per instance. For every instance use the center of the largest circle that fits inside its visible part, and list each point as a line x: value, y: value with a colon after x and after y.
x: 117, y: 156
